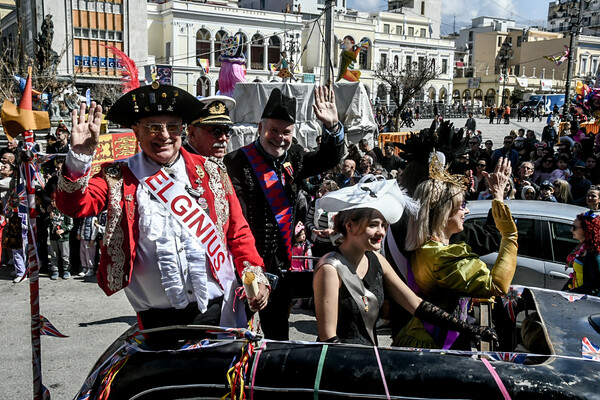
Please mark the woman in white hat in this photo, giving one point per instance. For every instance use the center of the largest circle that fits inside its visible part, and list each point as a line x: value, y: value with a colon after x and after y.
x: 350, y: 284
x: 447, y: 274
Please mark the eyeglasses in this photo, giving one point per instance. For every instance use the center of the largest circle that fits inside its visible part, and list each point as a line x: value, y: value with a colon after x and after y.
x: 217, y: 131
x: 463, y: 206
x: 508, y: 142
x: 526, y: 167
x: 156, y: 128
x: 482, y: 165
x: 575, y: 227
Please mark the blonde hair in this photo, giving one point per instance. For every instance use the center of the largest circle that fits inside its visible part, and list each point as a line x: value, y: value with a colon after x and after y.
x: 562, y: 191
x: 439, y: 201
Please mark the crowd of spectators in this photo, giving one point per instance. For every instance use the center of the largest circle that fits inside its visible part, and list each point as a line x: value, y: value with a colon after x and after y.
x: 65, y: 246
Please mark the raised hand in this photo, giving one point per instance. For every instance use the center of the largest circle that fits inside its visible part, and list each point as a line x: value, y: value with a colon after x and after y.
x: 499, y: 179
x: 325, y: 108
x: 84, y: 134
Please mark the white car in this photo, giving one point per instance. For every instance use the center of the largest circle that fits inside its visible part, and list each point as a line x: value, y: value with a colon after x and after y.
x: 545, y: 239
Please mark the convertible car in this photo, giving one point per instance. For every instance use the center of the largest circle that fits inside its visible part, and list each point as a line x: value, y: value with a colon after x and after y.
x: 547, y: 350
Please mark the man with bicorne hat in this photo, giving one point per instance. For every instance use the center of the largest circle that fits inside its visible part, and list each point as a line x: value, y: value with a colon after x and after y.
x: 173, y: 218
x: 266, y: 175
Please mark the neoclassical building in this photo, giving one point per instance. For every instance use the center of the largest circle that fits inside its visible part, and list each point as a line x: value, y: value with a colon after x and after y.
x: 186, y: 36
x: 393, y: 37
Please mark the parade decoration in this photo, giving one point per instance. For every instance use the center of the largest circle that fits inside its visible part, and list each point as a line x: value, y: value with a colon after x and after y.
x: 114, y: 147
x: 559, y: 59
x: 589, y: 350
x: 233, y: 64
x: 348, y: 57
x: 17, y: 120
x: 21, y: 118
x: 572, y: 297
x: 130, y: 72
x: 587, y: 99
x: 49, y: 330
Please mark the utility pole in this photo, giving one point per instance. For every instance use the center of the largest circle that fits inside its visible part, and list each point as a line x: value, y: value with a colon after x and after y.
x: 574, y: 32
x: 328, y: 41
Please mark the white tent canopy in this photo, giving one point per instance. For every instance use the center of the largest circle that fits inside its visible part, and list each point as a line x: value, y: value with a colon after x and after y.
x: 354, y: 109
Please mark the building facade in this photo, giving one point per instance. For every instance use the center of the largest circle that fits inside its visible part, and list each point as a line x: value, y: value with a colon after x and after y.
x: 186, y: 36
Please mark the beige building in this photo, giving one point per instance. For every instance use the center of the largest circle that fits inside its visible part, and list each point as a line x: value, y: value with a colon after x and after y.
x: 393, y: 38
x: 528, y: 70
x: 6, y: 6
x: 184, y: 40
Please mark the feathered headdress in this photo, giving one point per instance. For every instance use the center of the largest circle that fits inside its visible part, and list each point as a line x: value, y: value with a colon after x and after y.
x: 130, y: 74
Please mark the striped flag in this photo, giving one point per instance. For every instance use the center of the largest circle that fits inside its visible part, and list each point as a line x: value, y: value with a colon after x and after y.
x: 589, y: 350
x: 48, y: 329
x: 517, y: 358
x: 573, y: 297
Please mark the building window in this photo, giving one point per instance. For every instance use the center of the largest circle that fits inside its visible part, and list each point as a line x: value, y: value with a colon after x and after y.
x: 111, y: 35
x: 519, y: 41
x: 119, y: 36
x: 408, y: 61
x: 102, y: 34
x: 583, y: 69
x: 395, y: 62
x: 411, y: 31
x: 94, y: 33
x: 444, y: 66
x: 168, y: 50
x: 423, y: 32
x: 499, y: 41
x: 117, y: 8
x: 594, y: 66
x: 423, y: 7
x: 470, y: 36
x: 364, y: 57
x: 399, y: 30
x: 517, y: 70
x: 386, y: 28
x: 383, y: 60
x: 258, y: 52
x: 77, y: 32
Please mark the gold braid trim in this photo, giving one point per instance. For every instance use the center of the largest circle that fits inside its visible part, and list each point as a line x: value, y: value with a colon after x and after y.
x: 68, y: 186
x: 438, y: 172
x: 258, y: 272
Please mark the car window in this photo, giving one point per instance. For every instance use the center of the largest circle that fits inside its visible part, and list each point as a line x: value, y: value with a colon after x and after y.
x: 562, y: 240
x: 527, y: 237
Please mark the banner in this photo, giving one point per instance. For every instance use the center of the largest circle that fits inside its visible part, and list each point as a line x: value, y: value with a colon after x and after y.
x: 523, y: 81
x: 113, y: 147
x: 204, y: 65
x: 546, y: 84
x: 164, y: 73
x: 473, y: 83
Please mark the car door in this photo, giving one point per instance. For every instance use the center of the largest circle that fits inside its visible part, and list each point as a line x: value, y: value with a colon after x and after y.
x: 530, y: 263
x: 562, y: 243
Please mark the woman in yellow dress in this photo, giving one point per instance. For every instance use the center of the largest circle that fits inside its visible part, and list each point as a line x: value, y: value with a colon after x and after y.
x: 446, y: 274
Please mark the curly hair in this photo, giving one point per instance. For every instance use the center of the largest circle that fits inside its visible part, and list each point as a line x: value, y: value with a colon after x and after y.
x: 590, y: 223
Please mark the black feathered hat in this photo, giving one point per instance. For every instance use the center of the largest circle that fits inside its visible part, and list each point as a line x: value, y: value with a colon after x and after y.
x: 151, y: 100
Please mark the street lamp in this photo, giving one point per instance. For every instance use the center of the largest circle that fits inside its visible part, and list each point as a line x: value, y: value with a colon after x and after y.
x: 575, y: 13
x: 504, y: 54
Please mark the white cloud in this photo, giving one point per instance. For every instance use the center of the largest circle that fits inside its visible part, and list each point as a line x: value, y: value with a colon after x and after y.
x: 367, y: 5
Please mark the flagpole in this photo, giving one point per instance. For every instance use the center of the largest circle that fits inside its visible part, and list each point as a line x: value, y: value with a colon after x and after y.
x: 33, y: 268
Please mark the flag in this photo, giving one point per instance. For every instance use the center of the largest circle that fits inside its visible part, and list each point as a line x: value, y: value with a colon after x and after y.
x: 589, y: 350
x: 88, y: 97
x: 48, y: 329
x: 573, y: 297
x: 559, y: 59
x: 517, y: 358
x: 45, y: 393
x: 510, y: 301
x: 192, y: 345
x: 204, y: 64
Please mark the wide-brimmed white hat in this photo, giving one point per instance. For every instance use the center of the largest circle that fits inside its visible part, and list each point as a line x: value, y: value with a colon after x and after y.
x: 376, y: 192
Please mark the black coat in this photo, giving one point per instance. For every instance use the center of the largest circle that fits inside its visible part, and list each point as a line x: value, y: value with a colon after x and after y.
x: 254, y: 204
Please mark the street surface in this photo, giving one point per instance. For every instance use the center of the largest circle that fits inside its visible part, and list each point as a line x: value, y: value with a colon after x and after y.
x: 93, y: 321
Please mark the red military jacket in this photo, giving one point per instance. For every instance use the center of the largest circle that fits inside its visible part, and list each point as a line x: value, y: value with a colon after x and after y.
x: 114, y: 189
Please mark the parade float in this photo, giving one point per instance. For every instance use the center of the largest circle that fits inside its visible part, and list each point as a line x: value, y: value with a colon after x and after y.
x: 547, y: 351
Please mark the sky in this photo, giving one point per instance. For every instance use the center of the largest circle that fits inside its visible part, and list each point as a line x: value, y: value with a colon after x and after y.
x: 459, y: 12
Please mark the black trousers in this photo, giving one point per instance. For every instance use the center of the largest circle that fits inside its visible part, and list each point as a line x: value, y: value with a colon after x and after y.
x: 274, y: 317
x: 191, y: 315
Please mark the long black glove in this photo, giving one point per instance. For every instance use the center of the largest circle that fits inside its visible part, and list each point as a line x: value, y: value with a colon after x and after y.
x: 434, y: 315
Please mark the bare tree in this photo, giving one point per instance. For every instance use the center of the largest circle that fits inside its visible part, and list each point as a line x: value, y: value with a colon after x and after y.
x: 406, y: 82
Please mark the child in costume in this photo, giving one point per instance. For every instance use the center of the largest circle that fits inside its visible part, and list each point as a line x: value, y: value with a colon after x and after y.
x: 301, y: 248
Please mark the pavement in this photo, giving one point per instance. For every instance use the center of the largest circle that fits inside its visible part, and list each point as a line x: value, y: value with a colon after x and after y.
x: 495, y: 132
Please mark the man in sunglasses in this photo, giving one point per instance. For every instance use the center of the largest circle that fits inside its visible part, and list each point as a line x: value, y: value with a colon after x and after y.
x: 172, y: 216
x: 209, y: 132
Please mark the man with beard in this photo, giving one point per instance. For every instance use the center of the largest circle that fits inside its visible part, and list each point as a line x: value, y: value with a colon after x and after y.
x: 267, y: 174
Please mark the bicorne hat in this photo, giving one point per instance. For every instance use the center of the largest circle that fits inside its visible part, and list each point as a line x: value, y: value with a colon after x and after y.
x: 280, y: 106
x: 151, y: 100
x: 373, y: 192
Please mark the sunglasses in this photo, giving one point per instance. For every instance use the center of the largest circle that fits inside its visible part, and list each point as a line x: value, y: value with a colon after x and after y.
x: 575, y: 227
x: 463, y: 206
x: 482, y: 165
x: 156, y: 128
x: 217, y: 131
x: 473, y: 142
